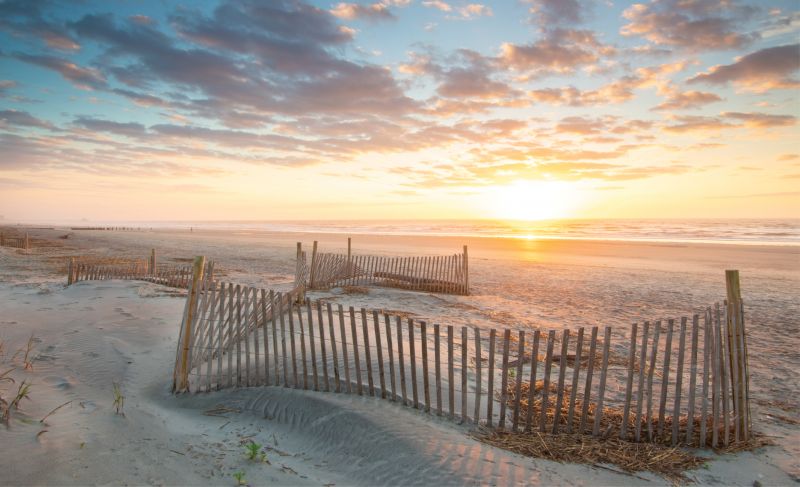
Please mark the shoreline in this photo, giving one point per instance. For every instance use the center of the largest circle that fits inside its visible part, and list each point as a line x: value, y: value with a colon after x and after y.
x: 360, y: 232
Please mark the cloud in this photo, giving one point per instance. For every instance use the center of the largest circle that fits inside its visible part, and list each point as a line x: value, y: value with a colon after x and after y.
x: 762, y: 119
x: 698, y: 124
x: 26, y: 19
x: 687, y: 99
x: 466, y: 75
x: 5, y: 85
x: 759, y: 71
x: 128, y: 129
x: 694, y: 25
x: 83, y: 78
x: 561, y: 51
x: 20, y: 118
x: 466, y: 12
x: 474, y: 10
x: 248, y: 56
x: 373, y: 12
x: 618, y: 91
x: 438, y: 4
x: 550, y: 13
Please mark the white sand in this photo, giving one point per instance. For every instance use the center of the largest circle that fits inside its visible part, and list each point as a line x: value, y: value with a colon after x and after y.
x: 92, y: 334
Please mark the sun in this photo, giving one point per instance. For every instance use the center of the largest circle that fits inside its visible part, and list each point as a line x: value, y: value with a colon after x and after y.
x: 532, y: 200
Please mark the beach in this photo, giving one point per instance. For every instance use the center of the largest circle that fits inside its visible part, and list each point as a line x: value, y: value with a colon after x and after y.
x: 94, y: 333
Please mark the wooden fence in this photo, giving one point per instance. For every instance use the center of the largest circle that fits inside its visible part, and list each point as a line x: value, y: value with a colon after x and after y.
x: 149, y: 270
x: 440, y: 274
x: 17, y: 241
x: 677, y: 381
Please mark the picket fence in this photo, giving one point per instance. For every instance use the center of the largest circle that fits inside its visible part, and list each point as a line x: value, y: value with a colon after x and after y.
x: 440, y: 274
x: 94, y: 269
x: 636, y: 384
x: 18, y: 242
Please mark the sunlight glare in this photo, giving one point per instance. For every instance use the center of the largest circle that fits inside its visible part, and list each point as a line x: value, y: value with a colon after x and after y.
x: 533, y: 200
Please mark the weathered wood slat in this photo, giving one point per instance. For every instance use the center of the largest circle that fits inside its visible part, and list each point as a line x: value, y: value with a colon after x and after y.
x: 504, y: 379
x: 562, y: 370
x: 337, y: 379
x: 303, y: 354
x: 478, y: 375
x: 662, y: 406
x: 322, y: 347
x: 490, y: 378
x: 650, y: 373
x: 518, y: 383
x: 312, y: 345
x: 598, y: 415
x: 426, y: 390
x: 715, y: 384
x: 401, y: 359
x: 437, y: 357
x: 724, y: 362
x: 413, y: 362
x: 548, y: 363
x: 367, y: 353
x: 345, y: 358
x: 464, y: 374
x: 676, y: 414
x: 356, y: 358
x: 706, y: 371
x: 532, y: 381
x: 389, y: 348
x: 587, y: 391
x: 623, y: 432
x: 576, y: 372
x: 376, y: 323
x: 231, y: 331
x: 640, y: 385
x: 451, y: 394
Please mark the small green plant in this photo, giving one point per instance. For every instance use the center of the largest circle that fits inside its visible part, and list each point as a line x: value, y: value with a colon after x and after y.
x: 239, y: 476
x: 119, y: 399
x: 253, y: 451
x: 23, y: 392
x: 27, y: 359
x: 512, y: 374
x: 4, y: 375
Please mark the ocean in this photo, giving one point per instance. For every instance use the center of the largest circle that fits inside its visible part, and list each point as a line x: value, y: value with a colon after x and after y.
x: 731, y: 231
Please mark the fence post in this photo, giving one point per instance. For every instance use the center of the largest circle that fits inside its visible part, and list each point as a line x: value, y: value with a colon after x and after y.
x: 181, y: 379
x: 152, y: 269
x: 70, y: 271
x: 734, y: 327
x: 311, y: 272
x: 27, y: 242
x: 466, y: 272
x: 2, y: 239
x: 349, y: 254
x: 299, y: 283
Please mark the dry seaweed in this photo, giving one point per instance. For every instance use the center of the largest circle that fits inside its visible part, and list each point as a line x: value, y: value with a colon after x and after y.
x: 672, y: 463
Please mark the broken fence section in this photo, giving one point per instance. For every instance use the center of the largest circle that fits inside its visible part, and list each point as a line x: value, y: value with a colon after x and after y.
x: 439, y: 274
x: 15, y: 241
x: 178, y: 276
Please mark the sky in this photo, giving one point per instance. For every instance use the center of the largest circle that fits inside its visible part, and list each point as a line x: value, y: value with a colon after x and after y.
x: 398, y: 109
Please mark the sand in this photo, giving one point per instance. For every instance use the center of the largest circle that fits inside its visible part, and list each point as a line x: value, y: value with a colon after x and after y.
x: 95, y: 333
